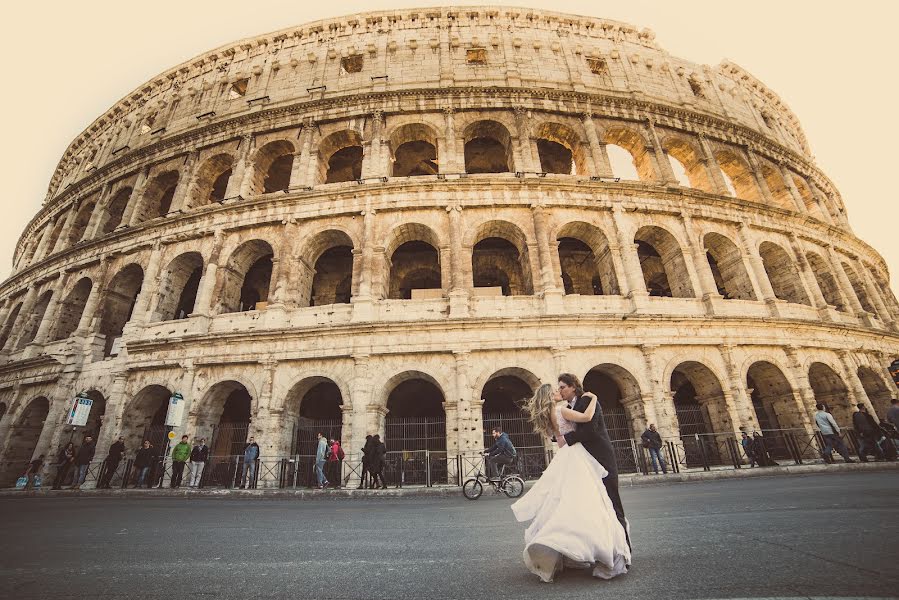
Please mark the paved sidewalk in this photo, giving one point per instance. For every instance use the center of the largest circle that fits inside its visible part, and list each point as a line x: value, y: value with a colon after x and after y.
x: 630, y: 480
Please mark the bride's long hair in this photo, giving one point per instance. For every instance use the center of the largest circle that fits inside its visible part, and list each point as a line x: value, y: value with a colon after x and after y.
x: 539, y: 408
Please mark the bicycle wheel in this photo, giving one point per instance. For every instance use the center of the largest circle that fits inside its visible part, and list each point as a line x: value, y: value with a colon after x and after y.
x: 513, y: 486
x: 472, y: 489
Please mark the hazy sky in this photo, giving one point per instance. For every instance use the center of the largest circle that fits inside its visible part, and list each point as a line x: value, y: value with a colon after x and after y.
x: 833, y: 63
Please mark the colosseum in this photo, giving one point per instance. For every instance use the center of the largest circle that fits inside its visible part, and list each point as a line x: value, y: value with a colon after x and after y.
x: 401, y: 222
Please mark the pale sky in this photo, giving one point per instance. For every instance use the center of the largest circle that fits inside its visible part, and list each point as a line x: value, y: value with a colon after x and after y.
x: 833, y: 63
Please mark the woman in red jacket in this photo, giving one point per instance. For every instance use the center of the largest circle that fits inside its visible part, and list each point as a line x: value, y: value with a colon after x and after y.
x: 335, y: 455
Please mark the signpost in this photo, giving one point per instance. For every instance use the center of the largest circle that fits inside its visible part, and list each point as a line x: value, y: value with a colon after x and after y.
x: 173, y: 417
x: 80, y: 411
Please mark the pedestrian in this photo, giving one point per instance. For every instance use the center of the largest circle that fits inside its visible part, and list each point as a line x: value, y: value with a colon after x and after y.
x: 321, y: 455
x: 746, y: 442
x: 111, y: 464
x: 379, y: 451
x: 199, y: 456
x: 64, y: 463
x: 893, y: 413
x: 888, y: 442
x: 83, y: 459
x: 250, y: 456
x: 652, y: 441
x: 367, y: 454
x: 868, y: 433
x: 830, y: 431
x: 143, y: 460
x: 180, y: 454
x: 33, y: 471
x: 760, y: 451
x: 501, y: 454
x: 335, y: 456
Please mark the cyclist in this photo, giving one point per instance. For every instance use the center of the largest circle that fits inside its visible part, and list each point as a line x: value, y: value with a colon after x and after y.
x: 502, y: 452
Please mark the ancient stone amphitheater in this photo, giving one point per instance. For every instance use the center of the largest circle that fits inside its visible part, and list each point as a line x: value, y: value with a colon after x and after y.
x: 401, y: 222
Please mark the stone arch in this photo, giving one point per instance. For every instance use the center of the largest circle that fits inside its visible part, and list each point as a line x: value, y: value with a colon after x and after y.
x: 699, y: 402
x: 662, y: 261
x: 728, y: 269
x: 112, y: 212
x: 118, y: 303
x: 782, y: 274
x: 246, y: 279
x: 560, y: 149
x: 413, y: 260
x: 32, y: 323
x: 621, y: 401
x: 502, y: 395
x: 157, y: 197
x: 830, y: 389
x: 272, y: 166
x: 179, y: 284
x: 808, y: 198
x: 690, y: 158
x: 58, y: 226
x: 223, y: 416
x: 739, y: 175
x: 82, y: 219
x: 877, y: 391
x: 22, y: 439
x: 312, y: 405
x: 488, y: 148
x: 415, y: 416
x: 778, y: 187
x: 71, y: 309
x: 500, y: 258
x: 586, y: 259
x: 340, y: 157
x: 31, y: 248
x: 773, y: 401
x: 858, y: 286
x: 211, y: 180
x: 8, y: 327
x: 144, y: 418
x: 330, y: 253
x: 414, y: 150
x: 827, y: 283
x: 635, y: 144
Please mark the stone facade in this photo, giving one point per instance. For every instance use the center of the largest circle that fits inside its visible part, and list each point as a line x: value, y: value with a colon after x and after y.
x: 414, y: 215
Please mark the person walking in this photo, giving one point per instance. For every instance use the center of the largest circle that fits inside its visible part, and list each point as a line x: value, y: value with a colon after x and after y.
x: 830, y: 431
x: 199, y: 456
x: 111, y: 464
x: 33, y: 470
x: 83, y: 459
x: 64, y: 463
x: 746, y: 442
x: 868, y: 434
x: 180, y: 454
x: 652, y: 441
x: 143, y: 460
x: 377, y: 462
x: 321, y: 455
x: 367, y: 453
x: 250, y: 456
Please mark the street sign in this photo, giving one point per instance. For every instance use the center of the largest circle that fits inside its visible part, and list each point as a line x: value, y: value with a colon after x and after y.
x: 175, y: 414
x: 80, y: 411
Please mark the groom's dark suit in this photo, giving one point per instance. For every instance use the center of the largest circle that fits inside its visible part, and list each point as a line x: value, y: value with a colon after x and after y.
x: 595, y: 438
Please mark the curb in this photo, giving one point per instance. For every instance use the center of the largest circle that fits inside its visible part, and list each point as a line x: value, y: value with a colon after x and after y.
x: 630, y: 480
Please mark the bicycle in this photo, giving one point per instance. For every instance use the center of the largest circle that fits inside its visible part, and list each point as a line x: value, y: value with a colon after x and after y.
x: 511, y: 485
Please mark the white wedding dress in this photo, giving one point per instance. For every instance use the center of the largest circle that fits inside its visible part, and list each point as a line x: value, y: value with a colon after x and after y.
x: 573, y: 522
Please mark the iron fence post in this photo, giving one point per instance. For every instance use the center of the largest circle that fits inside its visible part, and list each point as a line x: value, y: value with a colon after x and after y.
x: 672, y: 457
x: 734, y: 453
x: 702, y: 454
x: 427, y: 468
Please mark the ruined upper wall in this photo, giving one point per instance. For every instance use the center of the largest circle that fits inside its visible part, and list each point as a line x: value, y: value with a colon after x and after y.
x: 424, y: 49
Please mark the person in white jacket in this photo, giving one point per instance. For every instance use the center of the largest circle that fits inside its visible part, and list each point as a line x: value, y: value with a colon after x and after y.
x: 830, y: 431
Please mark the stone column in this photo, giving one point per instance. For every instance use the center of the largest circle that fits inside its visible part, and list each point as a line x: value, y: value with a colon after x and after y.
x: 93, y: 225
x: 241, y: 170
x: 203, y: 303
x: 372, y: 163
x: 448, y: 158
x: 805, y: 402
x: 459, y: 284
x: 716, y: 177
x: 844, y: 283
x: 24, y: 315
x: 764, y: 190
x: 665, y: 172
x: 465, y: 422
x: 186, y: 183
x: 49, y: 318
x: 822, y: 205
x: 541, y: 227
x: 697, y: 262
x: 794, y: 191
x: 601, y: 165
x: 874, y: 294
x: 149, y: 289
x: 90, y: 313
x: 362, y: 303
x: 524, y: 150
x: 857, y: 392
x: 740, y: 405
x: 65, y: 232
x: 630, y: 261
x: 130, y: 216
x: 41, y: 250
x: 761, y: 284
x: 805, y: 270
x: 364, y: 413
x: 662, y: 402
x: 115, y: 410
x: 299, y: 171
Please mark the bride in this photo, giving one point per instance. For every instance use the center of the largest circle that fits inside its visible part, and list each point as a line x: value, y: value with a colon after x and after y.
x: 573, y: 522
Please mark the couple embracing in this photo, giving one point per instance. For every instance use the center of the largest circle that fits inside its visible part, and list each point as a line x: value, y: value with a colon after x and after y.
x: 577, y: 520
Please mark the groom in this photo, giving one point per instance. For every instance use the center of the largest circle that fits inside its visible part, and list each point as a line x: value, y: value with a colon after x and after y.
x: 595, y: 438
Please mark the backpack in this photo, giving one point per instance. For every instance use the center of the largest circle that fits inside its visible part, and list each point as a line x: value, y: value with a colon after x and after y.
x: 340, y: 454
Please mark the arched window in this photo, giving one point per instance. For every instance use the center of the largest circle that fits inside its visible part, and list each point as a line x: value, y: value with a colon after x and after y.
x: 179, y: 284
x: 488, y: 148
x: 664, y: 269
x: 71, y: 309
x: 726, y: 263
x: 782, y: 274
x: 340, y: 157
x: 414, y: 150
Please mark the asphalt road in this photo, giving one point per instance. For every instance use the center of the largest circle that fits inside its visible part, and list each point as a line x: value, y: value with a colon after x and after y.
x: 808, y: 536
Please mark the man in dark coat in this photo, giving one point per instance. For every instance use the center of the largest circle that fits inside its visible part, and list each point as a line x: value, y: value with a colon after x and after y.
x: 367, y: 454
x: 595, y: 438
x: 83, y: 459
x: 868, y: 433
x: 116, y: 453
x: 376, y: 465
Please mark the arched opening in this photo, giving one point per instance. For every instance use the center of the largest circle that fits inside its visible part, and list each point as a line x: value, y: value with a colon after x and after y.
x: 413, y: 263
x: 488, y: 148
x: 622, y: 163
x: 783, y: 198
x: 738, y: 175
x: 118, y: 304
x: 415, y: 418
x: 81, y: 221
x: 628, y: 155
x: 178, y: 288
x: 619, y: 398
x: 782, y: 273
x: 679, y: 170
x: 33, y: 322
x: 774, y: 406
x: 226, y: 411
x: 212, y: 180
x: 662, y: 262
x: 115, y: 210
x: 144, y: 419
x: 247, y: 277
x: 71, y: 309
x: 340, y: 157
x: 22, y: 440
x: 859, y: 287
x: 333, y: 279
x: 10, y: 323
x: 701, y: 412
x: 158, y: 196
x: 827, y: 283
x: 560, y: 151
x: 502, y: 396
x: 414, y: 151
x: 54, y: 236
x: 876, y: 390
x: 811, y: 205
x: 313, y: 406
x: 274, y: 162
x: 687, y: 164
x: 829, y: 389
x: 726, y: 262
x: 499, y: 260
x: 586, y: 260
